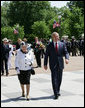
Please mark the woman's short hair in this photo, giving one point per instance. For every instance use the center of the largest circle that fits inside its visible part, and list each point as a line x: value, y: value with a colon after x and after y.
x: 23, y: 44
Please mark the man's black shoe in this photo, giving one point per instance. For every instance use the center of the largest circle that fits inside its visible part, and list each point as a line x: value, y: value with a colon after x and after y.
x: 56, y: 97
x: 59, y: 94
x: 7, y: 74
x: 2, y: 74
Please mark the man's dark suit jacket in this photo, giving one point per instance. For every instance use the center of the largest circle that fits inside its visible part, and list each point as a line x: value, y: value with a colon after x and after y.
x: 5, y: 51
x: 56, y: 58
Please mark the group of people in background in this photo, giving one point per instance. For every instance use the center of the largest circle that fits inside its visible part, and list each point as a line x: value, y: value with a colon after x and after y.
x: 74, y: 47
x: 53, y: 49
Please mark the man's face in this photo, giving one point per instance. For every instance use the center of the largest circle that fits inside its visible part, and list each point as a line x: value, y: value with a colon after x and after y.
x: 5, y: 42
x: 19, y: 41
x: 36, y: 39
x: 55, y: 38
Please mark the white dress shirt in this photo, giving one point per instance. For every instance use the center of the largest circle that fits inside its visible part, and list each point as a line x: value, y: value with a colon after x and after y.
x: 55, y: 43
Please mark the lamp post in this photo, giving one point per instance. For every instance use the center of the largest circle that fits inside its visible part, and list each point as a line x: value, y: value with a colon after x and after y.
x: 17, y: 26
x: 59, y: 17
x: 83, y: 36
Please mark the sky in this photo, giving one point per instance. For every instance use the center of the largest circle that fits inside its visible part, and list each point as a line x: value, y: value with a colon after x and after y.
x: 57, y: 4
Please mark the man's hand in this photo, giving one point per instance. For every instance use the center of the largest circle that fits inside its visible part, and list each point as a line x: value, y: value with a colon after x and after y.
x: 45, y: 67
x: 66, y: 61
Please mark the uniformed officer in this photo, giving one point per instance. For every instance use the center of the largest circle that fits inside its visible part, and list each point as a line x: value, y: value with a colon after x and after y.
x: 73, y: 46
x: 63, y: 39
x: 68, y: 45
x: 23, y: 65
x: 81, y: 46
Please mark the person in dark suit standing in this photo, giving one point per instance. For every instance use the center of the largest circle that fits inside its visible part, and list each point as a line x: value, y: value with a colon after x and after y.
x: 18, y: 43
x: 74, y: 46
x: 68, y: 45
x: 81, y: 46
x: 4, y: 55
x: 55, y: 51
x: 37, y: 51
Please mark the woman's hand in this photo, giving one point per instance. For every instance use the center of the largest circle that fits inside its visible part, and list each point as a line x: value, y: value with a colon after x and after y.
x: 18, y: 71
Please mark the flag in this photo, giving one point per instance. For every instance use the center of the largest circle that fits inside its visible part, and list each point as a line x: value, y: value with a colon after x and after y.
x: 16, y: 31
x: 56, y: 24
x: 60, y: 21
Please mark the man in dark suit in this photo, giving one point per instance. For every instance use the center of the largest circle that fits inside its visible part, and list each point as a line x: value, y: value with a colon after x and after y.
x: 81, y: 46
x: 18, y: 43
x: 37, y: 51
x: 74, y: 46
x: 55, y: 51
x: 4, y: 56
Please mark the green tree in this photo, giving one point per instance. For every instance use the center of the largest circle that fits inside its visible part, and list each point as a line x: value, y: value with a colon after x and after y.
x: 76, y: 26
x: 40, y: 29
x: 26, y: 13
x: 4, y: 18
x: 77, y: 4
x: 8, y: 32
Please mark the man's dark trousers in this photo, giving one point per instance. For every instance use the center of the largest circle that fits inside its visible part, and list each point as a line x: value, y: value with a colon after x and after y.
x: 38, y: 59
x: 4, y: 61
x: 56, y: 75
x: 4, y: 57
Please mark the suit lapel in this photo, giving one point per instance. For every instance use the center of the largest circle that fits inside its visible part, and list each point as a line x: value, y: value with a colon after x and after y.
x: 53, y: 47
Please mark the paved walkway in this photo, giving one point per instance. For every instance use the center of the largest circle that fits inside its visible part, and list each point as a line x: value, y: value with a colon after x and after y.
x: 41, y: 94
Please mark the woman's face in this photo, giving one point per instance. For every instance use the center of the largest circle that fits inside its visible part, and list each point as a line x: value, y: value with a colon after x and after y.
x: 24, y: 48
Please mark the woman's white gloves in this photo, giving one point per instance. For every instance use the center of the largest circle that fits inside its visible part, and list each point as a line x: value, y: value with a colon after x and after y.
x: 18, y: 71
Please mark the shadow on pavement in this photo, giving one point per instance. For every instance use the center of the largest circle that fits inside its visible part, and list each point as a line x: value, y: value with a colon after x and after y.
x: 22, y: 99
x: 13, y: 99
x: 43, y: 98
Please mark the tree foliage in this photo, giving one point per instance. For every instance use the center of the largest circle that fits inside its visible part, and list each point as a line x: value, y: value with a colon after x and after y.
x: 37, y: 18
x: 9, y: 33
x: 77, y: 4
x: 4, y: 18
x: 40, y: 29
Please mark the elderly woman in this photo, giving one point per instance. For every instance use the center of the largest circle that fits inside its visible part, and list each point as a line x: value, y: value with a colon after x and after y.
x: 23, y: 64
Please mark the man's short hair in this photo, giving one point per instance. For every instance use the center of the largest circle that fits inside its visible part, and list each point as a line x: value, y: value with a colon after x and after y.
x: 54, y: 33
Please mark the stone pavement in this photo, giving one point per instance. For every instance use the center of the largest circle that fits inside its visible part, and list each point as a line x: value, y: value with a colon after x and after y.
x: 41, y: 94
